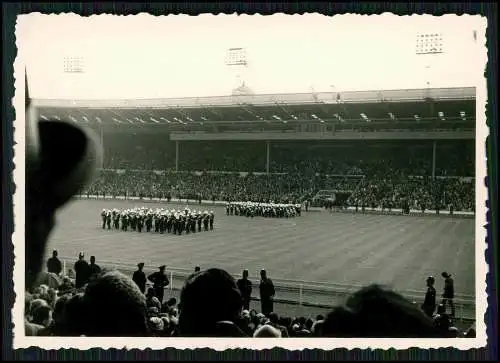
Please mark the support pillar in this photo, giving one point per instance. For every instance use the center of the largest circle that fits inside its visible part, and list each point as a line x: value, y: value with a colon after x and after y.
x: 176, y: 155
x: 433, y: 159
x: 268, y: 147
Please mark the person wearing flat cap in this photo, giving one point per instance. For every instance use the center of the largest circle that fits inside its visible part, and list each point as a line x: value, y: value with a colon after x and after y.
x: 160, y: 281
x: 448, y: 292
x: 82, y: 271
x: 139, y: 277
x: 429, y: 304
x: 61, y: 159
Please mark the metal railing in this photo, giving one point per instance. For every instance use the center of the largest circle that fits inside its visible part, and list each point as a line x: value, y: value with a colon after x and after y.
x: 295, y: 292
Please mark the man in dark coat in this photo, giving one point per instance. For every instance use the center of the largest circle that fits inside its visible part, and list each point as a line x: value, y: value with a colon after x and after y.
x: 139, y: 277
x: 81, y: 271
x: 160, y: 281
x: 53, y: 264
x: 245, y: 286
x: 93, y: 268
x: 429, y: 304
x: 267, y: 292
x: 449, y: 292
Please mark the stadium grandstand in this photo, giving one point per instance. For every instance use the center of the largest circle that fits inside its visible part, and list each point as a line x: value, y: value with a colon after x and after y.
x: 395, y: 151
x: 336, y: 139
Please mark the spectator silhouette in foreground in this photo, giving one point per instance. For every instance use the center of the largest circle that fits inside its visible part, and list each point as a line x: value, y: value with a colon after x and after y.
x: 54, y: 264
x: 139, y: 277
x: 116, y: 294
x: 50, y: 180
x: 245, y: 286
x: 374, y: 312
x: 210, y: 305
x: 160, y: 281
x: 429, y: 304
x: 448, y: 292
x: 267, y: 292
x: 94, y: 269
x: 82, y: 271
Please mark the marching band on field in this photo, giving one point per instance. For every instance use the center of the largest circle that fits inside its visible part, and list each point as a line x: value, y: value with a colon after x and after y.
x: 269, y: 210
x: 159, y: 220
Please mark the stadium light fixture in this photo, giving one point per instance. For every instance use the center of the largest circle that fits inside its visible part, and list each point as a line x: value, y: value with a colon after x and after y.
x: 277, y: 117
x: 85, y: 119
x: 429, y: 43
x: 314, y: 116
x: 116, y: 120
x: 98, y: 119
x: 73, y: 119
x: 363, y: 115
x: 294, y: 117
x: 154, y: 120
x: 189, y: 119
x: 164, y: 119
x: 57, y: 118
x: 204, y: 118
x: 43, y: 117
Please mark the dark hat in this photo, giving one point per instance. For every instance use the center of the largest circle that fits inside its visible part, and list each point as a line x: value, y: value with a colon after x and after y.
x: 81, y: 254
x: 431, y: 278
x: 162, y: 267
x: 140, y: 264
x: 445, y: 274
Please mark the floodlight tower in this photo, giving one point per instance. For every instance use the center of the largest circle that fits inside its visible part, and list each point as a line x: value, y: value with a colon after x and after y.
x: 430, y: 45
x: 236, y: 60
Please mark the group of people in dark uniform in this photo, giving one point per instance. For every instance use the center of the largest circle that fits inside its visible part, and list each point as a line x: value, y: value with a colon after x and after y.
x: 429, y: 305
x: 160, y: 220
x: 269, y: 210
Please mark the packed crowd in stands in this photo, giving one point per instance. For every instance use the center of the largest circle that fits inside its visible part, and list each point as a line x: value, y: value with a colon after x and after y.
x: 104, y: 302
x: 376, y: 176
x: 375, y: 192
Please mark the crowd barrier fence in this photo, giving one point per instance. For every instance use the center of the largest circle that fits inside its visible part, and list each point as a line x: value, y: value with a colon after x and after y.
x: 294, y: 292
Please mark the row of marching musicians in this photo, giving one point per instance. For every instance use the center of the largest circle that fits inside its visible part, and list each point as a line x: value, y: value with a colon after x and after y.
x: 269, y: 210
x: 160, y: 220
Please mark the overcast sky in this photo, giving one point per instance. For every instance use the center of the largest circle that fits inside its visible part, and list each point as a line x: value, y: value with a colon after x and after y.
x: 181, y: 56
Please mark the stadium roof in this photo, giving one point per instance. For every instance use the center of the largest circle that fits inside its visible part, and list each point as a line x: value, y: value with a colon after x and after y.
x: 447, y: 108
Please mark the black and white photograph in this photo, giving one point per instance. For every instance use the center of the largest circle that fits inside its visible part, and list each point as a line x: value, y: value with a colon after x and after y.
x: 186, y: 178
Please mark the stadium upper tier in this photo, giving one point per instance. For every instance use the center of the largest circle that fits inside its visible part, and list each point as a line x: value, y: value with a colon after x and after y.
x: 414, y: 109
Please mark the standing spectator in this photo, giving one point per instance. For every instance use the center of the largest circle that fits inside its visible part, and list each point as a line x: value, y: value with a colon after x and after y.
x: 81, y: 271
x: 54, y: 264
x: 449, y: 292
x: 267, y: 292
x: 429, y: 304
x: 93, y: 268
x: 245, y: 286
x: 160, y: 281
x: 139, y: 277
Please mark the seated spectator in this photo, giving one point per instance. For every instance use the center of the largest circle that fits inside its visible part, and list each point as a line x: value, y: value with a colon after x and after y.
x: 156, y: 326
x: 152, y: 301
x: 374, y: 312
x: 441, y: 319
x: 42, y: 316
x: 273, y: 321
x: 267, y: 331
x: 115, y: 307
x: 73, y: 316
x: 210, y: 303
